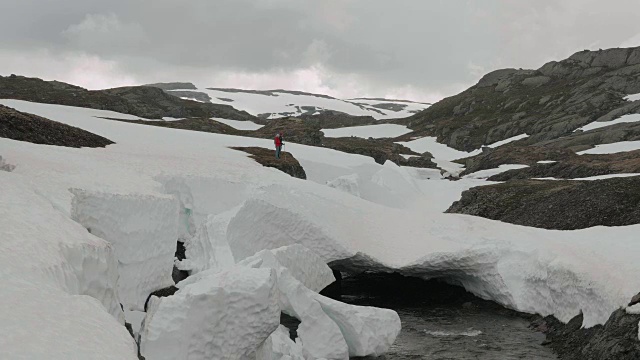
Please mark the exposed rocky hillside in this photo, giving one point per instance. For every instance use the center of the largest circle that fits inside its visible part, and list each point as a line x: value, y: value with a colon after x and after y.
x: 551, y: 204
x: 546, y: 103
x: 21, y: 126
x: 144, y: 101
x: 577, y: 166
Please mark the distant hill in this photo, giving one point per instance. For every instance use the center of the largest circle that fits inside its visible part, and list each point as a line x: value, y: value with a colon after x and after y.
x: 271, y: 104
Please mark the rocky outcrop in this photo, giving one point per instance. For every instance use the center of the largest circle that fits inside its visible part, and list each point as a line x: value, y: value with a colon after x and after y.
x: 21, y: 126
x: 617, y: 339
x: 550, y: 204
x: 287, y: 163
x: 547, y: 103
x: 144, y: 101
x: 334, y: 119
x: 174, y: 86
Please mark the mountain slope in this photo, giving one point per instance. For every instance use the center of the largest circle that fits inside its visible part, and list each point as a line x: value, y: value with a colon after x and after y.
x: 546, y: 103
x: 144, y: 101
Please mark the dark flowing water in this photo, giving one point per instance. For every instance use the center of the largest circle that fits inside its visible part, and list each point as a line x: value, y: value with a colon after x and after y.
x: 441, y: 322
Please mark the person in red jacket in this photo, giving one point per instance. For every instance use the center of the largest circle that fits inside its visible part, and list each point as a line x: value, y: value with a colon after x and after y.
x: 279, y: 143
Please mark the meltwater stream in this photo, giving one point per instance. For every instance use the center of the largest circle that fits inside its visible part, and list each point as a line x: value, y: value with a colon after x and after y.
x: 441, y: 321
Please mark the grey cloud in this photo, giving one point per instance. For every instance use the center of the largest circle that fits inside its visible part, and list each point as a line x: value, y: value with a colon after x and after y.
x: 433, y: 47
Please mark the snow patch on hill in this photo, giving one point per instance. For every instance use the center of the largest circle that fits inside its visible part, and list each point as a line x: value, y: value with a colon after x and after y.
x: 281, y: 103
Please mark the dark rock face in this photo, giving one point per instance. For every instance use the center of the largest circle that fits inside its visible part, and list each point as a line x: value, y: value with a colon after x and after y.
x: 287, y: 163
x: 546, y: 103
x: 549, y: 204
x: 617, y: 339
x: 21, y: 126
x: 578, y: 167
x: 144, y: 101
x: 334, y: 119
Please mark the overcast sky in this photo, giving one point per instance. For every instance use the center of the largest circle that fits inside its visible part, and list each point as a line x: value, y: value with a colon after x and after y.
x: 416, y: 49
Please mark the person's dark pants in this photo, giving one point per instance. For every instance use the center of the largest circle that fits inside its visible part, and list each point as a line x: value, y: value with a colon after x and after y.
x: 278, y: 149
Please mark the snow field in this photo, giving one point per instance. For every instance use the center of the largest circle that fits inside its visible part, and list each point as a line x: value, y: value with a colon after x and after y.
x: 622, y: 146
x: 633, y: 97
x: 294, y: 105
x: 629, y: 118
x: 395, y: 224
x: 239, y: 125
x: 484, y: 174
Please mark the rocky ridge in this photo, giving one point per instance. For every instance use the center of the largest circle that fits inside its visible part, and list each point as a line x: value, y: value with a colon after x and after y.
x: 144, y: 101
x: 21, y: 126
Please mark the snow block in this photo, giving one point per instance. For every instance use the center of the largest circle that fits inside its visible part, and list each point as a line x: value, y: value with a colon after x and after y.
x: 222, y: 316
x: 58, y: 298
x: 368, y: 331
x: 208, y: 248
x: 273, y: 227
x: 279, y: 346
x: 328, y: 329
x: 346, y: 183
x: 305, y: 265
x: 143, y: 231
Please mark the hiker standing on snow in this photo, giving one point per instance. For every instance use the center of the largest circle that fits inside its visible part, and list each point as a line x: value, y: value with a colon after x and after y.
x: 279, y: 143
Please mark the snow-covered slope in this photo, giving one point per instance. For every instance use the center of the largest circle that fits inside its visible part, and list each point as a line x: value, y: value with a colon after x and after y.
x: 390, y: 218
x: 281, y: 103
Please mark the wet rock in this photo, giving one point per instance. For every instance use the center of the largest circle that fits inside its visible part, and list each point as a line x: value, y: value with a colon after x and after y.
x: 617, y: 339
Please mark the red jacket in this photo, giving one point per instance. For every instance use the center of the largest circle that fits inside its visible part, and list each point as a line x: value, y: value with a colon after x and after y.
x: 278, y: 141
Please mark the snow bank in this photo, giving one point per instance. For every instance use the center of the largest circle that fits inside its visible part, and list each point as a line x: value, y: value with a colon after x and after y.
x: 438, y: 150
x: 630, y: 118
x: 143, y: 231
x: 239, y: 125
x: 368, y: 131
x: 506, y: 141
x: 484, y: 174
x: 613, y: 148
x: 220, y: 316
x: 346, y: 183
x: 632, y: 97
x: 596, y: 177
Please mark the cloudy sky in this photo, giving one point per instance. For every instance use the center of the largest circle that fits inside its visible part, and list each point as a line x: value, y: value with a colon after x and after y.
x: 416, y: 49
